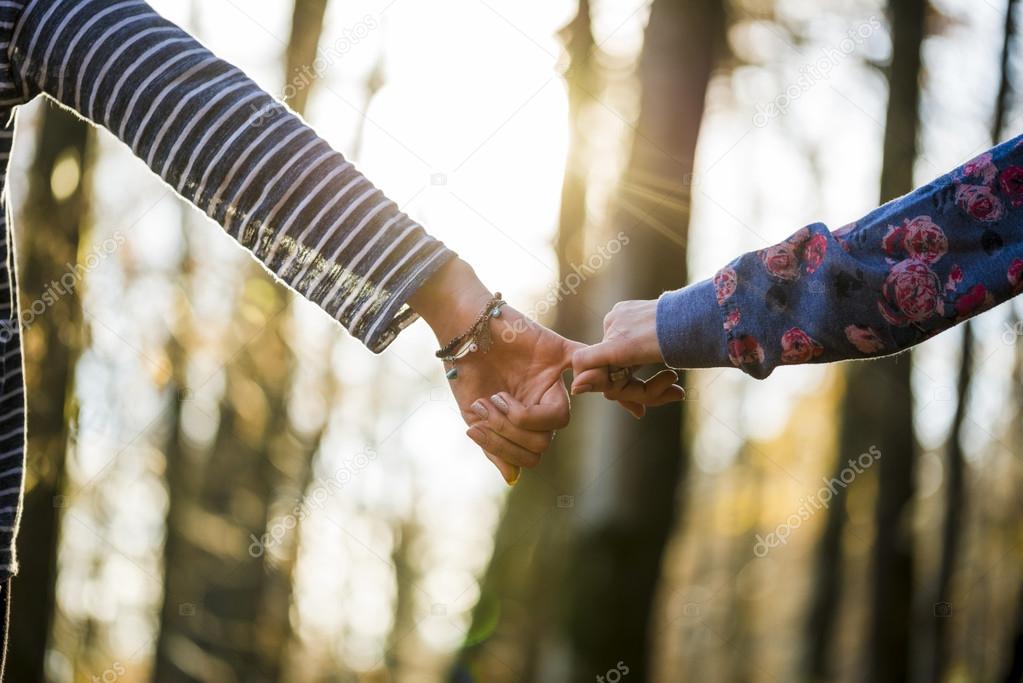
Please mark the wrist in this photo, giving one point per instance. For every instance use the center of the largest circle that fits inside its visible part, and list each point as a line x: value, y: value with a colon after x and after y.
x: 647, y: 346
x: 451, y: 300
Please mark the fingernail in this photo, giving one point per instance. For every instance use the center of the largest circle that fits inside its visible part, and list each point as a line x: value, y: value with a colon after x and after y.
x: 515, y: 477
x: 477, y: 435
x: 500, y: 403
x: 582, y: 389
x: 480, y: 409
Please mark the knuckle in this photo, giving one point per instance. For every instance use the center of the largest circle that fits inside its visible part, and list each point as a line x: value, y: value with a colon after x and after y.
x: 540, y: 443
x: 516, y: 416
x: 499, y: 426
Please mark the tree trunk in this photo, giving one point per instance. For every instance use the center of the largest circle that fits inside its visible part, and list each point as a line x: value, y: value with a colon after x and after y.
x: 1014, y: 669
x: 955, y: 489
x: 826, y: 598
x: 48, y: 248
x: 1014, y: 657
x: 879, y: 407
x: 626, y: 508
x: 306, y: 30
x: 515, y: 611
x: 226, y: 612
x: 183, y: 473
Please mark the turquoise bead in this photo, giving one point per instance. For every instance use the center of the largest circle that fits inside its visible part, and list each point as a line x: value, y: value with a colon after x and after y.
x: 452, y: 374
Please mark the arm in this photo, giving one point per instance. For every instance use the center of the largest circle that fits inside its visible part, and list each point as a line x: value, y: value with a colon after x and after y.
x: 304, y: 211
x: 905, y: 272
x: 235, y: 152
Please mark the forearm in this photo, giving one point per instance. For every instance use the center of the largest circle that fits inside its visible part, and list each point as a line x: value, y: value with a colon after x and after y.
x: 236, y: 153
x: 902, y: 274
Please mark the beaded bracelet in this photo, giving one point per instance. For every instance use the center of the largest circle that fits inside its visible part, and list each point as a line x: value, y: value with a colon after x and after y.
x: 476, y: 338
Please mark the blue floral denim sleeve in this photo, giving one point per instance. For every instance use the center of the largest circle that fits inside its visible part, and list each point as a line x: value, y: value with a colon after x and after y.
x: 908, y: 270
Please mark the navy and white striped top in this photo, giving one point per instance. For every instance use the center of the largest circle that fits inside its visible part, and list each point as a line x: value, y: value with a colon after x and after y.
x: 224, y: 144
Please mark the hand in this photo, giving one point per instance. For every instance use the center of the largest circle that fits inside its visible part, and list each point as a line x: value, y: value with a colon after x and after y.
x: 513, y: 397
x: 630, y: 341
x: 515, y: 394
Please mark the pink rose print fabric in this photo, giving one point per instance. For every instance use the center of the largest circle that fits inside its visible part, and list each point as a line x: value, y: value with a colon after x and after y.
x: 901, y: 274
x: 866, y: 339
x: 800, y: 253
x: 745, y: 350
x: 1010, y: 181
x: 725, y: 283
x: 798, y: 347
x: 919, y: 238
x: 1015, y: 275
x: 816, y: 248
x: 980, y: 202
x: 910, y: 294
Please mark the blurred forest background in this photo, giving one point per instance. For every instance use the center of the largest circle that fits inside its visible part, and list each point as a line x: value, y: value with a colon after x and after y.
x: 224, y: 487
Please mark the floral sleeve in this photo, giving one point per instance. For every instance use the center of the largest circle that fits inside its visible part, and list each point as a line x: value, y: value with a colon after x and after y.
x: 907, y: 271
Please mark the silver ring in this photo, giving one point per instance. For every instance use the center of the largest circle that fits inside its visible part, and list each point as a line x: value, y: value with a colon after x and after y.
x: 618, y: 374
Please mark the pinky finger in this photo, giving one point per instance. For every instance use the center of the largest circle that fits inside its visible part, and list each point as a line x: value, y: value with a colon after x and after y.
x: 637, y: 410
x: 661, y: 389
x: 672, y: 394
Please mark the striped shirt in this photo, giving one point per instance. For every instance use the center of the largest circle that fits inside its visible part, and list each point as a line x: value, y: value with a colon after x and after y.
x: 234, y: 151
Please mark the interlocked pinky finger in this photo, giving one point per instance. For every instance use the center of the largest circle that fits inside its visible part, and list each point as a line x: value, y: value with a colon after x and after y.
x: 492, y: 442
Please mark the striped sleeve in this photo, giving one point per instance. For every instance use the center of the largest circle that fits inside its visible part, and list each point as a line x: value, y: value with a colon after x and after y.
x: 235, y: 152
